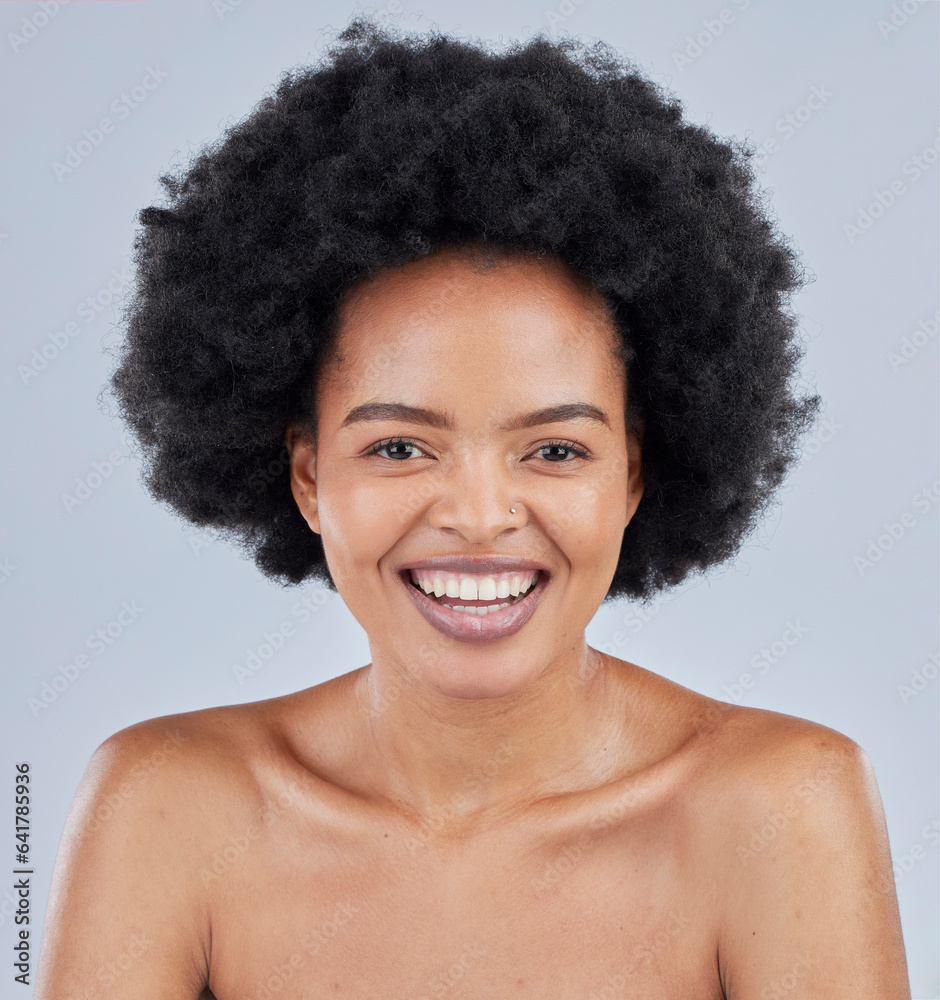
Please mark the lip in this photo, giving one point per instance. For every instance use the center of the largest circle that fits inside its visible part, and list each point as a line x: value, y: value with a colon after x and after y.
x: 472, y: 628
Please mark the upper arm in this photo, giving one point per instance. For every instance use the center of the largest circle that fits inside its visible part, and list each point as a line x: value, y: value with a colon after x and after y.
x: 810, y: 903
x: 125, y: 915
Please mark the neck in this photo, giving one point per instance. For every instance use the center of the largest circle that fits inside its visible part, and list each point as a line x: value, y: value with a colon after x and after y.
x: 451, y: 759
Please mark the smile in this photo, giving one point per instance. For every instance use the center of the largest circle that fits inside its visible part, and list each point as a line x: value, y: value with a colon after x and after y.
x: 474, y: 593
x: 475, y: 607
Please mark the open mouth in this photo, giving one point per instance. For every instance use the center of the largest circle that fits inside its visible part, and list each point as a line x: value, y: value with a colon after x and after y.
x: 479, y: 607
x: 493, y: 594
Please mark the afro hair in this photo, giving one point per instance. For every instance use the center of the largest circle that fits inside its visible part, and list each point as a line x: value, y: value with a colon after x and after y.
x: 395, y: 145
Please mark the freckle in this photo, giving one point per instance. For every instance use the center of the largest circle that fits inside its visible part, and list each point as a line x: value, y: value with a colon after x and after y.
x: 520, y: 983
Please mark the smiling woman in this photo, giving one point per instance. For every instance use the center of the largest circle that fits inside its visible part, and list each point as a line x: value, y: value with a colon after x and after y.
x: 510, y: 477
x: 507, y: 339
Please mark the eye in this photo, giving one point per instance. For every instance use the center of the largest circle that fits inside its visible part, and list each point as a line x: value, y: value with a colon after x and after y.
x: 562, y: 446
x: 400, y: 445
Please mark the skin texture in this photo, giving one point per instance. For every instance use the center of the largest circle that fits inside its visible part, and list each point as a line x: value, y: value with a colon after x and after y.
x: 523, y: 818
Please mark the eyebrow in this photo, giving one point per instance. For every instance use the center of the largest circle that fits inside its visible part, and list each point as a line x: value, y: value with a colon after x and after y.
x: 441, y: 421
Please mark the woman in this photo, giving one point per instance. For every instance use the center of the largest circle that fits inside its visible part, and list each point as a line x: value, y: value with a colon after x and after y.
x: 479, y: 341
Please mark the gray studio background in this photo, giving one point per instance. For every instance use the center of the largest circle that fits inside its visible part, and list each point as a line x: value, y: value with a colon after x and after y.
x: 831, y: 609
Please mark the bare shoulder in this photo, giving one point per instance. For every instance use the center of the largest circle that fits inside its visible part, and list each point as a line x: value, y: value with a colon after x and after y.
x: 797, y: 843
x: 189, y: 750
x: 773, y: 745
x: 755, y: 775
x: 782, y: 820
x: 221, y: 755
x: 753, y: 747
x: 128, y: 913
x: 717, y: 741
x: 771, y: 763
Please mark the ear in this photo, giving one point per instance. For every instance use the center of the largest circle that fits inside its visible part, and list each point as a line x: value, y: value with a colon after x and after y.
x: 635, y: 482
x: 303, y: 474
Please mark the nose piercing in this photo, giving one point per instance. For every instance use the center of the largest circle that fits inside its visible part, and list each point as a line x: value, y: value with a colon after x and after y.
x: 512, y: 510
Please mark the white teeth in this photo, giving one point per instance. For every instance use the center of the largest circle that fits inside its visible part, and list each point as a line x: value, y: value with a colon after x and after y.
x: 479, y: 611
x: 467, y: 587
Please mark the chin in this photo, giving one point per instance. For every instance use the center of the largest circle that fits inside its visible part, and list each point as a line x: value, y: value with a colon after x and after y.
x: 489, y: 677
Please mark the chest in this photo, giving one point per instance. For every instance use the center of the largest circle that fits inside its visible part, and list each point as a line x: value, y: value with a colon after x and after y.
x: 394, y: 915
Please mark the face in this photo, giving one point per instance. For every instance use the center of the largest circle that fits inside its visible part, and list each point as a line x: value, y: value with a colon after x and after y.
x: 462, y: 393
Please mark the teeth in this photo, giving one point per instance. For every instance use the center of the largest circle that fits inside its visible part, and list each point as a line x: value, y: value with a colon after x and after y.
x: 467, y: 587
x: 479, y: 611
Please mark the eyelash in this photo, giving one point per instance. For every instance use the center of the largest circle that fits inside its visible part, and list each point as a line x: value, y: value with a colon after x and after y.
x: 567, y: 445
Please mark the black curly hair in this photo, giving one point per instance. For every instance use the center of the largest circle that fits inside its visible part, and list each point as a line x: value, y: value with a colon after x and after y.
x: 396, y: 145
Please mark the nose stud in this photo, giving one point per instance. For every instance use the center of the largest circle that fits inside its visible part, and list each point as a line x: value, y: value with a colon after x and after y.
x: 512, y: 510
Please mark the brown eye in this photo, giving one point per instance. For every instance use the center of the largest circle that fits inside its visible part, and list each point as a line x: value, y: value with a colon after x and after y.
x: 398, y: 448
x: 562, y: 446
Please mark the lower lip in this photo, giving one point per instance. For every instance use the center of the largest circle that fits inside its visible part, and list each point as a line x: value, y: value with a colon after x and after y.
x: 473, y: 628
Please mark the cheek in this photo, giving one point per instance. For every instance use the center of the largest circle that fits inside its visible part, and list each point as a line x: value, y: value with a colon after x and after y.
x: 587, y: 518
x: 358, y: 521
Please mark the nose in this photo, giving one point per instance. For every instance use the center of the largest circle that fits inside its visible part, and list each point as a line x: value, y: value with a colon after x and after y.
x: 476, y: 498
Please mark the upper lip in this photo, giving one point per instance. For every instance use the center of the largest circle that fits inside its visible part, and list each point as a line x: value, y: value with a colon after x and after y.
x: 476, y: 564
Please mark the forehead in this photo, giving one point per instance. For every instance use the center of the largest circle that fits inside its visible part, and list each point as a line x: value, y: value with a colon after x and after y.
x: 461, y: 309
